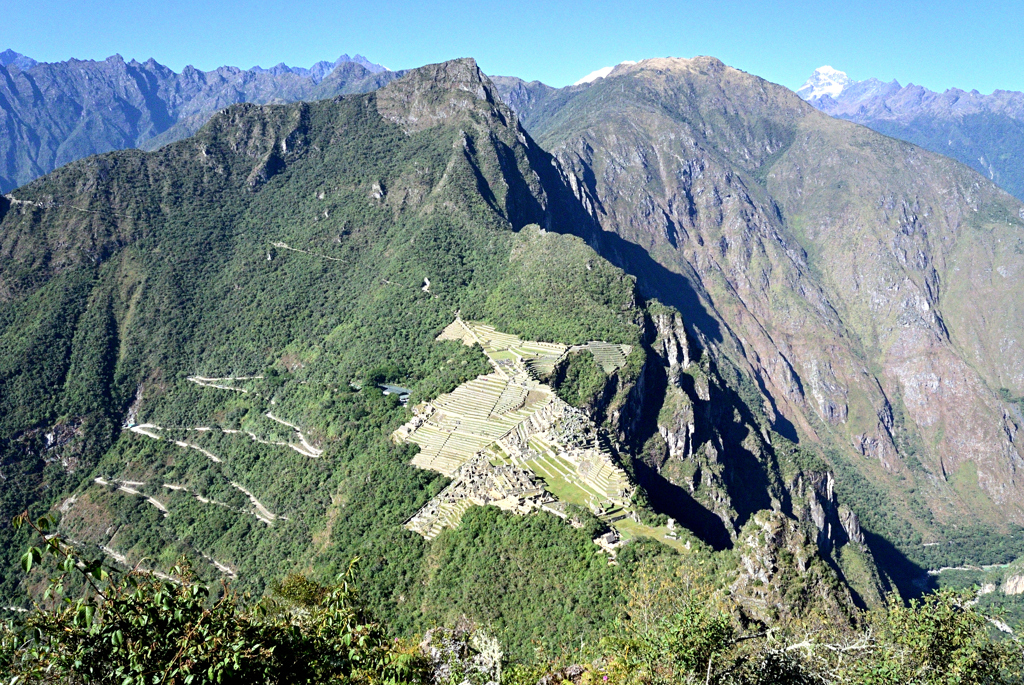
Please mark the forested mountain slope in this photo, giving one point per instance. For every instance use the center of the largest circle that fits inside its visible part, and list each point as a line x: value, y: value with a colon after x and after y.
x: 871, y: 287
x: 190, y: 342
x: 55, y: 113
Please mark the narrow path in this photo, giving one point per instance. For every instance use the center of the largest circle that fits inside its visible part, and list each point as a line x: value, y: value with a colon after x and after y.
x: 985, y: 567
x: 223, y: 568
x: 145, y: 428
x: 115, y: 555
x: 213, y: 457
x: 285, y: 246
x: 227, y: 378
x: 263, y: 513
x: 182, y: 488
x: 306, y: 449
x: 132, y: 491
x: 15, y: 201
x: 208, y: 383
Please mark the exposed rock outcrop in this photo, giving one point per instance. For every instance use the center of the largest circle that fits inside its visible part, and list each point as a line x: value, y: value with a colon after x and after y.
x: 838, y: 269
x: 437, y: 93
x: 1014, y: 585
x: 781, y: 575
x: 815, y: 502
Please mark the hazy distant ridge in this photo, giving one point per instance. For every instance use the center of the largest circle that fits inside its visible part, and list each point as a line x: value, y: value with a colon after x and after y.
x: 55, y: 113
x: 985, y: 132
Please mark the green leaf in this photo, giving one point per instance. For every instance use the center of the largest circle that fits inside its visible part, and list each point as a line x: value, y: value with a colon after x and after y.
x: 32, y: 556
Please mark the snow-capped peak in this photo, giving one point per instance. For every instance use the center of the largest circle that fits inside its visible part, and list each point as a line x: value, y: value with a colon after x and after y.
x: 825, y: 81
x: 600, y: 73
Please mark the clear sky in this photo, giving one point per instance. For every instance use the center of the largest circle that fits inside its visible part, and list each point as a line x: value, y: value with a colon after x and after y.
x: 939, y: 44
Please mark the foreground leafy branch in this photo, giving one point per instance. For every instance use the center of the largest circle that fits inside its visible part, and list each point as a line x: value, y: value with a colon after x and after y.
x: 133, y: 627
x: 101, y: 625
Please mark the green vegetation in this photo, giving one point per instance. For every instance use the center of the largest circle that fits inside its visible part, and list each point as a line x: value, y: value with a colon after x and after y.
x: 533, y: 581
x: 579, y: 379
x: 191, y: 345
x: 134, y: 628
x: 194, y: 281
x: 672, y: 625
x: 550, y: 275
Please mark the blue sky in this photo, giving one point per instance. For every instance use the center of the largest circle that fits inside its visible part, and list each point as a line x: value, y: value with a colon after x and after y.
x: 937, y: 44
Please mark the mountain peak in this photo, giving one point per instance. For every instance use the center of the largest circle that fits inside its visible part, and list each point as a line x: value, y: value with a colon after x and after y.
x: 825, y: 81
x: 9, y: 57
x: 435, y: 93
x: 321, y: 69
x: 372, y: 67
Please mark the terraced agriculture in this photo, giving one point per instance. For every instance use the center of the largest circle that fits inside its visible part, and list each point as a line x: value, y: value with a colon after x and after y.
x: 505, y: 438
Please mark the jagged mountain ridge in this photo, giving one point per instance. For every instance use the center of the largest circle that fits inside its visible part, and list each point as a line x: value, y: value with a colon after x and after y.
x: 55, y: 113
x: 322, y: 68
x: 280, y: 253
x: 9, y: 57
x: 868, y: 285
x: 985, y: 132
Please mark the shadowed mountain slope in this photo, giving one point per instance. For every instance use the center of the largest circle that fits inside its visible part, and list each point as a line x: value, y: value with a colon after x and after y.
x: 871, y: 287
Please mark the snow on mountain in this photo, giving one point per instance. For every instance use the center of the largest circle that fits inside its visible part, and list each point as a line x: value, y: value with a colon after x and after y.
x: 825, y: 81
x: 600, y: 73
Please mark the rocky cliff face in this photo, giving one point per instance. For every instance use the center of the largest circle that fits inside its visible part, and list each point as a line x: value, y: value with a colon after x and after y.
x: 520, y: 95
x: 864, y: 284
x: 781, y: 573
x: 705, y: 459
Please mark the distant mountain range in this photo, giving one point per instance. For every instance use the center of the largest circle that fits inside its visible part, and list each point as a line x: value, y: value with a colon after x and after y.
x: 55, y: 113
x: 10, y: 57
x: 986, y: 132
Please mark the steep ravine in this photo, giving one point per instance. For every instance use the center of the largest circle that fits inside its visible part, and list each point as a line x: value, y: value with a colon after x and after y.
x: 864, y: 288
x: 704, y: 458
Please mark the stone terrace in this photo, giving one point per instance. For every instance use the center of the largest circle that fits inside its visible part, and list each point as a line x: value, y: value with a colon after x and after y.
x: 495, y: 434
